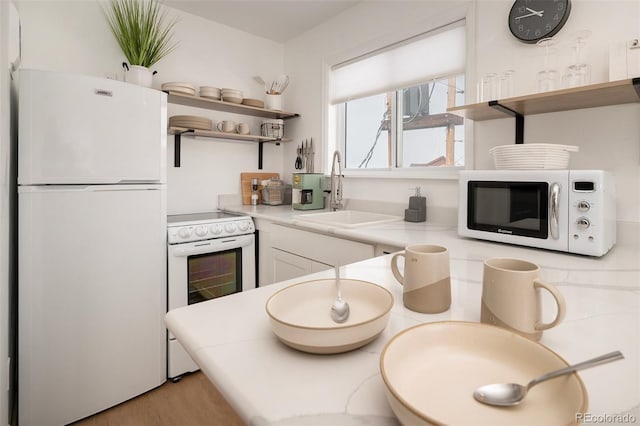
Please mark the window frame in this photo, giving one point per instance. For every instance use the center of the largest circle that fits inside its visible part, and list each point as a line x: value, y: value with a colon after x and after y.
x: 330, y: 126
x: 434, y: 172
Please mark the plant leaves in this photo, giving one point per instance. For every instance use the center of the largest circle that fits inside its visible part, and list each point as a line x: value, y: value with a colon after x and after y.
x: 141, y: 29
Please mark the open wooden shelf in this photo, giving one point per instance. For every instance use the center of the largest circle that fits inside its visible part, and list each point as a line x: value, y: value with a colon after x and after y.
x: 221, y: 135
x: 594, y: 95
x: 198, y: 102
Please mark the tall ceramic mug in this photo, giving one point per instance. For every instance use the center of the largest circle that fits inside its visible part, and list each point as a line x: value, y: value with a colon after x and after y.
x: 427, y: 279
x: 511, y: 297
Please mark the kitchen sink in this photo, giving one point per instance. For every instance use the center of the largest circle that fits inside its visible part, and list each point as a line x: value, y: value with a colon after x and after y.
x: 348, y: 218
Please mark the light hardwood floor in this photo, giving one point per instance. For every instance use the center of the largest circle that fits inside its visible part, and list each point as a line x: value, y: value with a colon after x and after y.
x: 192, y: 401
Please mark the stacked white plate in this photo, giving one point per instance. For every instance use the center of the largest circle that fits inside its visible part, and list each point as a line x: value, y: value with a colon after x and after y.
x: 179, y: 87
x: 210, y: 92
x: 532, y: 156
x: 253, y: 102
x: 231, y: 95
x: 191, y: 122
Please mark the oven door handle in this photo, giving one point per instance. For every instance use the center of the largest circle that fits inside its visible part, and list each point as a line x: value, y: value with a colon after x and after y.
x: 211, y: 246
x: 554, y: 205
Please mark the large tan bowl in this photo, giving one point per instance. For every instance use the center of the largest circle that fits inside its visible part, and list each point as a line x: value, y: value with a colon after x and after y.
x: 431, y: 370
x: 300, y: 315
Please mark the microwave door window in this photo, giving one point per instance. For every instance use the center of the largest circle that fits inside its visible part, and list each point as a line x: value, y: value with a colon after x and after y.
x: 213, y: 275
x: 513, y: 208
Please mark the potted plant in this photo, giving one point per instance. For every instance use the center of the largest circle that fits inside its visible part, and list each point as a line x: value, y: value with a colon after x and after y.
x: 143, y: 33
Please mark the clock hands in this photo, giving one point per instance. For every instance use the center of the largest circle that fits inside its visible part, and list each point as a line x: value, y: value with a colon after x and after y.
x: 533, y: 12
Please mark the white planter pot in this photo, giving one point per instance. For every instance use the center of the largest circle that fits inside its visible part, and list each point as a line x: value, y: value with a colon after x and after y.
x: 139, y: 75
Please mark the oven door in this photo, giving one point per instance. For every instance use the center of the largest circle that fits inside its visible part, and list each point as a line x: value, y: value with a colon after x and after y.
x: 204, y: 270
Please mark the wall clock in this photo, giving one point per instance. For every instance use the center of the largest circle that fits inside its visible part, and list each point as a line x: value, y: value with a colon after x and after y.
x: 533, y: 20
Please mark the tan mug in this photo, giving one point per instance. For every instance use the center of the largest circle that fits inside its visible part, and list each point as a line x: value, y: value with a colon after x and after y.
x: 226, y: 126
x: 511, y: 297
x: 427, y: 278
x: 242, y: 128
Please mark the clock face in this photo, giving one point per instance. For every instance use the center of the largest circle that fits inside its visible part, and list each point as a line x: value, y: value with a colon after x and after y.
x: 533, y: 20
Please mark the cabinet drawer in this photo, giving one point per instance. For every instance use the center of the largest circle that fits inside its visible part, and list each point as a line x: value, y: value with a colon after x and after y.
x: 321, y: 248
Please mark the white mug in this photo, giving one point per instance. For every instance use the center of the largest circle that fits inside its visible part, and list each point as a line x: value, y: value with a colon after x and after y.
x: 242, y: 128
x: 511, y: 297
x: 427, y: 278
x: 226, y: 126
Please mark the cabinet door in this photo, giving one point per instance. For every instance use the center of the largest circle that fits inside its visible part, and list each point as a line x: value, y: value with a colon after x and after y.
x: 287, y: 266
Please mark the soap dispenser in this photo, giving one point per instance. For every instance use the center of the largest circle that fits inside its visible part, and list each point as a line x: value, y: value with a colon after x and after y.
x: 417, y: 211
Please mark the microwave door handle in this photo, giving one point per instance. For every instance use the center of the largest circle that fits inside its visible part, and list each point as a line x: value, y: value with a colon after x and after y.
x: 554, y: 200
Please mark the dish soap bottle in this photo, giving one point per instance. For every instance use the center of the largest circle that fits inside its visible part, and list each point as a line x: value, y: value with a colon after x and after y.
x: 417, y: 211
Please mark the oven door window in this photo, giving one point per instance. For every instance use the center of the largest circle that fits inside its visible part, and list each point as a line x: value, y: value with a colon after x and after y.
x: 213, y: 275
x: 514, y: 208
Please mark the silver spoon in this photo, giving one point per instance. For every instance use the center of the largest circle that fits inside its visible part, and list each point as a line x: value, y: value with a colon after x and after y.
x: 507, y: 394
x: 339, y: 308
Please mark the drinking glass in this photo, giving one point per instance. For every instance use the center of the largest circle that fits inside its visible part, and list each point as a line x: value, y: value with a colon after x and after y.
x: 547, y: 78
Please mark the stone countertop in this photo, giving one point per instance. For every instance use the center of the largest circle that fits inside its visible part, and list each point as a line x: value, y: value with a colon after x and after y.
x: 268, y: 383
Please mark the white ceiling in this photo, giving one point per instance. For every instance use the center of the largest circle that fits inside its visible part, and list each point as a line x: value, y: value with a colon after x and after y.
x: 278, y: 20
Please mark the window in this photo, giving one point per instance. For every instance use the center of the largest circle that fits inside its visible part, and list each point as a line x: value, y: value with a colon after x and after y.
x: 388, y: 117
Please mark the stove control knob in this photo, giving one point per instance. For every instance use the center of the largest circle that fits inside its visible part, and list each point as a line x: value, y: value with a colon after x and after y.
x: 583, y: 223
x: 229, y: 227
x: 201, y: 230
x: 184, y: 232
x: 244, y: 225
x: 583, y: 206
x: 215, y: 229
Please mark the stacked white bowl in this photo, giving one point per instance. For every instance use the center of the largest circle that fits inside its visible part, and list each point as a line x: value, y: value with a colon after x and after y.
x: 210, y: 92
x: 231, y: 95
x: 532, y: 156
x: 179, y: 87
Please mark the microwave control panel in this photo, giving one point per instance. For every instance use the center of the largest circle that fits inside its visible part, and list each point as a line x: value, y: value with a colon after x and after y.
x: 592, y: 212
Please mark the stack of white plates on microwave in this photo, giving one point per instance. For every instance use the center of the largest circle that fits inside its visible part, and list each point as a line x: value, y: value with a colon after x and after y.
x: 532, y: 156
x: 210, y: 92
x: 191, y: 122
x: 179, y: 87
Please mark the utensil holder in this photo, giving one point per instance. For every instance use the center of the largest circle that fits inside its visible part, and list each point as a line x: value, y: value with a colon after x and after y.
x: 273, y: 102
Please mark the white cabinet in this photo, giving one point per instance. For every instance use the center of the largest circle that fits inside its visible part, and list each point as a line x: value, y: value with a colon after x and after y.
x: 294, y: 252
x: 287, y: 265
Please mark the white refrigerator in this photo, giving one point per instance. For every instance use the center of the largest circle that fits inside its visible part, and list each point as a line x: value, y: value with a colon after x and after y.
x: 91, y: 244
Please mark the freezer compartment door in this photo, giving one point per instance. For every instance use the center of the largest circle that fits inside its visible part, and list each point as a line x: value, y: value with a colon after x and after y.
x: 81, y: 129
x: 92, y: 298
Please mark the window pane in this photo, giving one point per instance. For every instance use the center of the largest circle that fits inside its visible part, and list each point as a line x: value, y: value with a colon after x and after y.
x: 367, y: 137
x: 430, y: 136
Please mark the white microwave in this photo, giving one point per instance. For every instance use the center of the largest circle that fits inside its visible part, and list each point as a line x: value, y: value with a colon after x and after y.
x: 565, y: 210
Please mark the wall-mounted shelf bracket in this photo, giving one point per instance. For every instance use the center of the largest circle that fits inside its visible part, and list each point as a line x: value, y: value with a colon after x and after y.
x: 636, y: 85
x: 260, y: 155
x: 519, y: 119
x: 176, y: 146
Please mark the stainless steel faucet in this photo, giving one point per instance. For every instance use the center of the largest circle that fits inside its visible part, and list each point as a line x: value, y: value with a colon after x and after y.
x: 336, y: 189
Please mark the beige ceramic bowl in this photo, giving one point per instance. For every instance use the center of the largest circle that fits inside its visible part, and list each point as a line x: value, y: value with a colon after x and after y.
x: 431, y: 370
x: 301, y: 315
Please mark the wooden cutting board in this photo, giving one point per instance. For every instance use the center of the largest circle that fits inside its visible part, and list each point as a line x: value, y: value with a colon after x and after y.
x: 245, y: 184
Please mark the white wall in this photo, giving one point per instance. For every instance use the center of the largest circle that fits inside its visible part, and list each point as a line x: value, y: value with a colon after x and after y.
x: 608, y: 137
x: 73, y: 36
x: 5, y: 192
